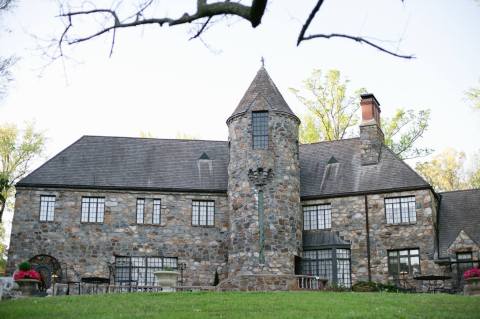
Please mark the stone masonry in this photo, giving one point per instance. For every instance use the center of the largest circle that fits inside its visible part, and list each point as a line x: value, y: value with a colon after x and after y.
x: 89, y: 246
x: 256, y: 242
x: 281, y: 191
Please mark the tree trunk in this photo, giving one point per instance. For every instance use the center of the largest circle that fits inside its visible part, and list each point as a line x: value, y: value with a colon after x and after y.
x: 2, y: 208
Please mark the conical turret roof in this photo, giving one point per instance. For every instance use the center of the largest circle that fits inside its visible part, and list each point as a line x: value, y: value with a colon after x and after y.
x: 262, y: 94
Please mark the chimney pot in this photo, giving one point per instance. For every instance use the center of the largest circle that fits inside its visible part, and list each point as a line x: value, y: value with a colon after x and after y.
x: 370, y: 109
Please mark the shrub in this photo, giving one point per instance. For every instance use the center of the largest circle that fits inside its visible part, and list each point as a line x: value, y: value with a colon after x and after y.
x: 370, y: 286
x: 365, y: 286
x: 25, y: 266
x: 472, y: 273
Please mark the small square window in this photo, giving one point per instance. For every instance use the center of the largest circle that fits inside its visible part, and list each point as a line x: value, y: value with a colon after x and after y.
x: 400, y: 210
x: 317, y: 217
x: 203, y: 213
x: 93, y: 209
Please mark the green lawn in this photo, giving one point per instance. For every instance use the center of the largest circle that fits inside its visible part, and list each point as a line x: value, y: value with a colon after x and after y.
x: 245, y: 305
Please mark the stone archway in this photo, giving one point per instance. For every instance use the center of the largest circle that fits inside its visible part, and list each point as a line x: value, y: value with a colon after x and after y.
x: 47, y: 266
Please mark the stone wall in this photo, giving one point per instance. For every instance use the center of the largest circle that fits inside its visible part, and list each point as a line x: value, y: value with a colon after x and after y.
x: 419, y: 235
x: 349, y: 220
x: 279, y: 166
x: 265, y: 282
x: 89, y: 246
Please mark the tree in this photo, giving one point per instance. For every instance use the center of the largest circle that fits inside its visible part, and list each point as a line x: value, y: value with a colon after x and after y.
x: 474, y: 174
x: 16, y: 152
x: 403, y: 130
x: 332, y: 114
x: 445, y: 171
x: 473, y: 95
x: 5, y: 63
x: 332, y: 110
x: 3, y: 257
x: 120, y: 15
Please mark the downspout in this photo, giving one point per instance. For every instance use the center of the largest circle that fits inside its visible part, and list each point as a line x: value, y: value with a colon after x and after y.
x: 367, y: 227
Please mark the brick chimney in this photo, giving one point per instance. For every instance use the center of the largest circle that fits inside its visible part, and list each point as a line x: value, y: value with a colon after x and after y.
x: 371, y: 135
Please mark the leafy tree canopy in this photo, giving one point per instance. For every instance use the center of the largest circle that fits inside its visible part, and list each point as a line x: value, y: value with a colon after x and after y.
x: 332, y: 114
x: 446, y: 172
x: 17, y: 149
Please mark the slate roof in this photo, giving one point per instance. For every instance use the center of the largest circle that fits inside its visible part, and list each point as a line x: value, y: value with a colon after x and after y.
x: 459, y: 210
x: 145, y: 163
x: 262, y: 85
x: 334, y: 168
x: 319, y: 239
x: 162, y: 164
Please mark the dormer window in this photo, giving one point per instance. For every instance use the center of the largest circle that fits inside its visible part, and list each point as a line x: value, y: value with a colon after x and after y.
x: 260, y: 129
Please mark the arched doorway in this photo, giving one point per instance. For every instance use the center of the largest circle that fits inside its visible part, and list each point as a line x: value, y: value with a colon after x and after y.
x: 47, y: 266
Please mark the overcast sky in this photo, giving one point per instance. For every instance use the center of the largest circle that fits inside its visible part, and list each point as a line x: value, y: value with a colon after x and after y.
x: 158, y: 81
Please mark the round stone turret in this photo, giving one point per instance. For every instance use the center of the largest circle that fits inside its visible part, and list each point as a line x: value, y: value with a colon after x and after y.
x: 264, y: 183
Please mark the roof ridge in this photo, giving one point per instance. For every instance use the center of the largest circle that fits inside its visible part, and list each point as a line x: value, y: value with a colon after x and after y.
x: 157, y: 138
x: 343, y: 139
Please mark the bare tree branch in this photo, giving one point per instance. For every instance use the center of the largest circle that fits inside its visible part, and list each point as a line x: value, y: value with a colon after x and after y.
x: 308, y: 21
x: 357, y: 39
x: 204, y: 12
x: 302, y: 37
x: 253, y: 14
x: 201, y: 29
x: 4, y: 4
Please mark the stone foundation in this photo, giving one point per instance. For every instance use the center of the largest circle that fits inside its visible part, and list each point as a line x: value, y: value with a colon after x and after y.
x: 259, y: 283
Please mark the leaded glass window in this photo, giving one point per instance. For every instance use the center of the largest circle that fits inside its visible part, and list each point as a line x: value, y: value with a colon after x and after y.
x: 404, y: 261
x: 140, y: 270
x: 47, y: 208
x: 260, y: 129
x: 203, y: 213
x: 317, y: 217
x: 93, y: 209
x: 157, y: 211
x: 400, y: 210
x: 332, y: 264
x: 140, y: 210
x: 343, y: 267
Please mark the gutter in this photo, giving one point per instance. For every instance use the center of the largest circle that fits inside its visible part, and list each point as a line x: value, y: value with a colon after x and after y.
x: 368, y: 192
x: 123, y: 188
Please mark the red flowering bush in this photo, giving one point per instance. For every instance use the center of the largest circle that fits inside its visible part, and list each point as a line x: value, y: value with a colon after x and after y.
x: 472, y: 273
x: 26, y: 272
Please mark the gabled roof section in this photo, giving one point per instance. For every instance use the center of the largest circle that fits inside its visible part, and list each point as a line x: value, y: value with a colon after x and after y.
x: 262, y: 95
x: 459, y: 210
x: 348, y: 176
x: 135, y: 163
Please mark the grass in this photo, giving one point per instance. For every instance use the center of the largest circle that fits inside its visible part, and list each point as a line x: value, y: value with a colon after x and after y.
x: 245, y: 305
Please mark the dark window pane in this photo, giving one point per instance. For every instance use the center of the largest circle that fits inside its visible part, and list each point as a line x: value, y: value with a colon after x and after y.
x: 260, y: 130
x: 400, y: 210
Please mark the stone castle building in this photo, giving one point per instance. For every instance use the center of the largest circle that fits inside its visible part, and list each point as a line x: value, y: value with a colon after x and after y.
x: 257, y: 209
